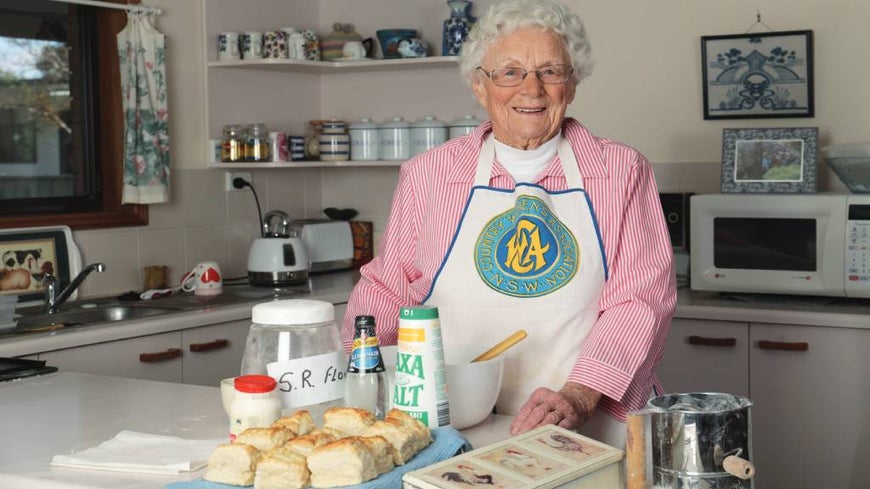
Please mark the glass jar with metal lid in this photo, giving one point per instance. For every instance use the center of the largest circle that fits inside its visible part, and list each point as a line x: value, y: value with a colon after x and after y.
x: 233, y: 144
x: 257, y: 143
x: 297, y: 342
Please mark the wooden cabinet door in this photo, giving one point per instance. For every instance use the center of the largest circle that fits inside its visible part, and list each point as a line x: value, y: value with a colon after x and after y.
x: 706, y: 356
x: 810, y: 415
x: 212, y: 353
x: 152, y: 357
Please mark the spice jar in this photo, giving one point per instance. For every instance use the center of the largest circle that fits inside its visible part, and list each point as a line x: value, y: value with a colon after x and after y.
x: 334, y: 141
x: 233, y: 144
x: 257, y: 143
x: 255, y: 403
x: 297, y: 341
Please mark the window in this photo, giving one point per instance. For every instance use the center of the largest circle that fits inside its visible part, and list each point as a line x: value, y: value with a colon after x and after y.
x: 60, y: 117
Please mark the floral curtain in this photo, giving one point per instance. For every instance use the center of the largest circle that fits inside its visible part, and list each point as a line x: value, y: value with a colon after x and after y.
x: 142, y: 53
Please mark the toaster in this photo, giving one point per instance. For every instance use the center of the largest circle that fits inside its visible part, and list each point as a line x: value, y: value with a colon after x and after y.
x: 329, y: 243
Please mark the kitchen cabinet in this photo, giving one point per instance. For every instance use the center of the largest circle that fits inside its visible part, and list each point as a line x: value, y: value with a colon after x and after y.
x: 212, y: 353
x: 152, y: 357
x: 810, y: 416
x: 706, y: 356
x: 286, y: 94
x: 808, y: 386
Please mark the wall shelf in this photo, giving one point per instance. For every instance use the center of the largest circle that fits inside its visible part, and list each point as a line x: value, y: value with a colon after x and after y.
x: 319, y: 67
x: 309, y: 164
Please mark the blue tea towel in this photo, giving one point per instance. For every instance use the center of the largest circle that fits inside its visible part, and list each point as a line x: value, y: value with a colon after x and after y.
x: 446, y: 443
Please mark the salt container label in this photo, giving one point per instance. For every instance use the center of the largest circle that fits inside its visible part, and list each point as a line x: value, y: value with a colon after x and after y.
x: 309, y: 380
x: 421, y: 383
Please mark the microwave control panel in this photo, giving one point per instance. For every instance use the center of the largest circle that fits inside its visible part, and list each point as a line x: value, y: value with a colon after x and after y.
x: 858, y: 248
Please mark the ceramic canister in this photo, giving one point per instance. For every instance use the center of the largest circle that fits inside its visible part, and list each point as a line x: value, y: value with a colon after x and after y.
x: 334, y: 141
x: 394, y: 139
x: 363, y: 140
x: 426, y: 134
x: 463, y: 126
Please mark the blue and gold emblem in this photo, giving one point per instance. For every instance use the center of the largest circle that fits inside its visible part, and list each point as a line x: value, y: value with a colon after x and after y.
x: 526, y: 251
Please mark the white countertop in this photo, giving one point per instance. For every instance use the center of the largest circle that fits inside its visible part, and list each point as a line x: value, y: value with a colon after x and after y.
x: 65, y: 412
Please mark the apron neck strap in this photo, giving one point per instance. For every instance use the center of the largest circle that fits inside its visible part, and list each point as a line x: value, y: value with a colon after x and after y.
x: 566, y: 157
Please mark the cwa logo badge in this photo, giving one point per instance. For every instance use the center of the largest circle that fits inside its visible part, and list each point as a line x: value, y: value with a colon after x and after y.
x: 526, y: 251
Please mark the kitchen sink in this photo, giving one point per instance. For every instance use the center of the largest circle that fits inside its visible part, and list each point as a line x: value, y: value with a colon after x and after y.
x: 103, y: 313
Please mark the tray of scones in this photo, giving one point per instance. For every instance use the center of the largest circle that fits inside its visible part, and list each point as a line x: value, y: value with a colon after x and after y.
x: 352, y: 447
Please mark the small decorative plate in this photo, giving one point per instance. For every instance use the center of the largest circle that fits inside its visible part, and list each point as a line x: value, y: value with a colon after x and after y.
x: 27, y: 254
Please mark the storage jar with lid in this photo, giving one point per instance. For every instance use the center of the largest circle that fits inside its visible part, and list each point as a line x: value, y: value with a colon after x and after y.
x: 233, y: 144
x: 463, y: 126
x: 257, y: 143
x: 334, y: 141
x: 297, y: 342
x: 312, y: 140
x: 394, y: 139
x: 255, y: 403
x: 363, y: 140
x: 426, y: 134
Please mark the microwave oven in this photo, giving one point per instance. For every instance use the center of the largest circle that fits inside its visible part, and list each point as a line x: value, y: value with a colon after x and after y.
x: 804, y: 244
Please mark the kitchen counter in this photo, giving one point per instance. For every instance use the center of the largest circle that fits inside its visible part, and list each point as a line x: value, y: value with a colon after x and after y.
x: 66, y: 412
x: 237, y: 300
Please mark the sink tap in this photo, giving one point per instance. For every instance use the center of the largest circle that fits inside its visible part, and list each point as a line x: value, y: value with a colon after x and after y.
x: 53, y: 299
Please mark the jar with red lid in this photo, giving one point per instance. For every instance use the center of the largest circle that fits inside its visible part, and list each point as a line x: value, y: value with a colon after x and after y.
x: 255, y: 403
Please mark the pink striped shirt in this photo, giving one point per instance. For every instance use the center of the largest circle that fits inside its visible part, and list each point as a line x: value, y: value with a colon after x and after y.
x: 619, y: 355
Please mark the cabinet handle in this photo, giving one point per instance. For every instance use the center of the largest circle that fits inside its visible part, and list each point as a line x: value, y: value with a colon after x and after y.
x: 160, y: 356
x: 210, y: 346
x: 705, y: 341
x: 783, y: 345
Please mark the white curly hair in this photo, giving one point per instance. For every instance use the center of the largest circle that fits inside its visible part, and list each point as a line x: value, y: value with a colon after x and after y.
x: 505, y: 16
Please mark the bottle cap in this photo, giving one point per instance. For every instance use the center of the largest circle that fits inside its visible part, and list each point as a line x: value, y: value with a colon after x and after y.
x: 255, y: 383
x: 364, y: 321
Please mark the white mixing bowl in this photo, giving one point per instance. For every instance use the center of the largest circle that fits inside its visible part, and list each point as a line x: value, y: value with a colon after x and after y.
x: 472, y: 388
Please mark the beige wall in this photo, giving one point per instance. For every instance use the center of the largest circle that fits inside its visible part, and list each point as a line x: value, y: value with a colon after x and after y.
x: 646, y: 91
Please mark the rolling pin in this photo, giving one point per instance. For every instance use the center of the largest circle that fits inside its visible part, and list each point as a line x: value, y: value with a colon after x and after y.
x: 635, y: 451
x: 501, y: 346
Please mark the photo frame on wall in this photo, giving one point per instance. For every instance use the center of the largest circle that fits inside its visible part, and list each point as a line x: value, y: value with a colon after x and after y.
x: 758, y: 75
x: 770, y: 160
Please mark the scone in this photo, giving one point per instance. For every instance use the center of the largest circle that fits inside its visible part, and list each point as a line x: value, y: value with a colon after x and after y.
x: 350, y: 420
x: 422, y: 435
x: 281, y: 468
x: 401, y: 439
x: 305, y: 443
x: 233, y: 464
x: 382, y: 453
x: 300, y: 422
x: 341, y: 463
x: 264, y: 438
x: 329, y: 431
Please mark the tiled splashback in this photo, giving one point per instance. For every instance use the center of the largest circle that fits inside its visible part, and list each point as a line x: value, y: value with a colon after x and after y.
x: 205, y: 222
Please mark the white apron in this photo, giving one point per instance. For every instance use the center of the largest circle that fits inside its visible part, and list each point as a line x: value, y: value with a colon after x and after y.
x: 523, y: 259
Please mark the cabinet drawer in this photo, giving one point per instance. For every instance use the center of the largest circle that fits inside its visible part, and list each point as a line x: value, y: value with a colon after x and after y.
x: 153, y: 357
x: 212, y: 353
x: 706, y: 356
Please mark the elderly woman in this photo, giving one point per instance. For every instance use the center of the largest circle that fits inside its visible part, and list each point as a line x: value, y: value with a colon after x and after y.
x: 531, y: 222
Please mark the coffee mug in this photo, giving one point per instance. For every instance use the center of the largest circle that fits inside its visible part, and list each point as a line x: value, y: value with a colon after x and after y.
x: 228, y: 46
x: 252, y: 45
x: 204, y: 279
x: 275, y: 45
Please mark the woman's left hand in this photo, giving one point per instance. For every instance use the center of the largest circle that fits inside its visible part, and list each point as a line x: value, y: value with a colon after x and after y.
x: 569, y: 408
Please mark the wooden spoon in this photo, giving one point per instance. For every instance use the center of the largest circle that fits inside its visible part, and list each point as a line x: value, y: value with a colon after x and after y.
x: 503, y: 345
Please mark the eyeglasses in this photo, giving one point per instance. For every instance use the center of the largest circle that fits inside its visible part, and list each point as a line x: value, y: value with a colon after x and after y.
x: 512, y: 77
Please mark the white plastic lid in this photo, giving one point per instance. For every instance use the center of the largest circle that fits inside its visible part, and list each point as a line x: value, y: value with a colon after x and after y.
x: 429, y: 121
x: 395, y: 122
x: 855, y: 150
x: 293, y: 312
x: 467, y: 121
x: 364, y: 123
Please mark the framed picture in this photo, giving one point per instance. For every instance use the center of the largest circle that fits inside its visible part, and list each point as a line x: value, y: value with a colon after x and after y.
x: 769, y: 160
x: 748, y: 76
x: 26, y: 255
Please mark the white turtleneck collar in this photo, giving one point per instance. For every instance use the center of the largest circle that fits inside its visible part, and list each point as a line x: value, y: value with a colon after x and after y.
x: 525, y: 165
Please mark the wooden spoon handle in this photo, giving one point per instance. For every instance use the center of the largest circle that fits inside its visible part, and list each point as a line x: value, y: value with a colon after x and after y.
x: 501, y: 346
x: 635, y: 451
